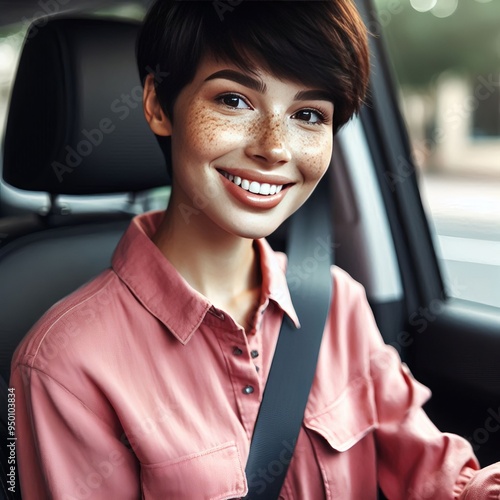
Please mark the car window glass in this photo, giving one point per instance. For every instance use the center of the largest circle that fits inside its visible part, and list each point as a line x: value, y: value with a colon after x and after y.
x: 11, y: 39
x: 446, y: 59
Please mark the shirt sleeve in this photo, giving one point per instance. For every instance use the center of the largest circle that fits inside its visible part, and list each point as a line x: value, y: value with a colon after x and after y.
x: 483, y: 484
x: 415, y: 459
x: 66, y: 451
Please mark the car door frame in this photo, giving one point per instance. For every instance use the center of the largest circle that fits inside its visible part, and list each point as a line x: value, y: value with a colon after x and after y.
x: 451, y: 345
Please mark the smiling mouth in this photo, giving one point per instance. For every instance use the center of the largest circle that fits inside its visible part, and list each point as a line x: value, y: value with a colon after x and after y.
x: 263, y: 189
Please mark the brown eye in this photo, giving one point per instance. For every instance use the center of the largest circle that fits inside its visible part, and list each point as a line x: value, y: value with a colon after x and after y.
x: 310, y: 116
x: 233, y: 101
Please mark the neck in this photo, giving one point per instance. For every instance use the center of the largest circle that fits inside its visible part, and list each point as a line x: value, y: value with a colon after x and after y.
x: 221, y: 266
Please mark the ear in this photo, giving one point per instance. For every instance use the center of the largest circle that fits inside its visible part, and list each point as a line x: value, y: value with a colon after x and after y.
x: 158, y: 121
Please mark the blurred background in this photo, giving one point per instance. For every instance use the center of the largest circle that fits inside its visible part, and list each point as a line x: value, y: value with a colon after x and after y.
x: 445, y: 56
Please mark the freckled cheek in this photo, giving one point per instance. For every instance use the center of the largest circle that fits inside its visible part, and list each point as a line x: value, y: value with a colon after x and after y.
x: 313, y: 156
x: 212, y: 135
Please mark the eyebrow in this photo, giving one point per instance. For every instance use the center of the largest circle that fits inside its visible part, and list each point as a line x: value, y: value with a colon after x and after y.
x: 241, y: 78
x: 313, y: 95
x: 259, y: 86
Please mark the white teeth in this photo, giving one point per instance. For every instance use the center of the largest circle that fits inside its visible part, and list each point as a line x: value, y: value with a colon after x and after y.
x: 265, y: 189
x: 255, y: 187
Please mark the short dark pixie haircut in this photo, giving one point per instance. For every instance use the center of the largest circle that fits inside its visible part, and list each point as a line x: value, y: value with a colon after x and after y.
x: 319, y: 43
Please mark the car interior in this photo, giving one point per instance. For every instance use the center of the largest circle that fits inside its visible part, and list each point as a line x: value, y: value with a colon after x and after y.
x: 75, y: 137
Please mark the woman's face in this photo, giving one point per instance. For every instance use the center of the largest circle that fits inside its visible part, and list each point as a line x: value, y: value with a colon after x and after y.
x: 247, y: 151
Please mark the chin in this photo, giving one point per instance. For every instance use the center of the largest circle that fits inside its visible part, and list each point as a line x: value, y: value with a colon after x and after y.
x: 253, y: 225
x: 256, y: 233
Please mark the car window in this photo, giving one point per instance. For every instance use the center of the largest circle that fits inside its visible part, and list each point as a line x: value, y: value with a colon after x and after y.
x: 446, y: 60
x: 11, y: 39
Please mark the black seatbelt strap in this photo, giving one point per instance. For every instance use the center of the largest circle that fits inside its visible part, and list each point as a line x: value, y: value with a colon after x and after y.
x: 294, y: 363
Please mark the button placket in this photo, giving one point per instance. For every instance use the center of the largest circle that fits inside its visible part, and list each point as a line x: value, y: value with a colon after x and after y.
x: 248, y: 389
x: 245, y: 381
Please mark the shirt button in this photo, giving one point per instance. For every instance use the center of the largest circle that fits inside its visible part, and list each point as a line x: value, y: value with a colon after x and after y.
x: 248, y: 389
x: 254, y: 353
x: 237, y: 351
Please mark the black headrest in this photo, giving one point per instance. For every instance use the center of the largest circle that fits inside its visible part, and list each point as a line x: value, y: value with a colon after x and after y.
x: 76, y: 124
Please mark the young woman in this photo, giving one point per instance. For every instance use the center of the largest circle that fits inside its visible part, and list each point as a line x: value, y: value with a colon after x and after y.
x: 158, y: 391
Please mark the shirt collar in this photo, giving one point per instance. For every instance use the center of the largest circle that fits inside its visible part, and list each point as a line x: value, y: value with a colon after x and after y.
x: 157, y: 284
x: 274, y: 286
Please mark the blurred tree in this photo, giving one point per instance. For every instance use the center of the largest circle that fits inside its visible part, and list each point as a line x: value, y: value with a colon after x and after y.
x: 422, y: 45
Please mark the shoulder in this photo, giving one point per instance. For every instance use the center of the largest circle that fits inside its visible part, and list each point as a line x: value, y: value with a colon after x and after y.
x: 346, y: 288
x: 351, y: 321
x: 70, y: 327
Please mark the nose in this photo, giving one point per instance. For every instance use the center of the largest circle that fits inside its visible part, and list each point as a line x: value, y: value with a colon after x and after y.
x: 270, y: 144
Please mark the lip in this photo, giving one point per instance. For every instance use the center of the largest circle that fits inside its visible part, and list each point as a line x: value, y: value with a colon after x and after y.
x: 254, y: 200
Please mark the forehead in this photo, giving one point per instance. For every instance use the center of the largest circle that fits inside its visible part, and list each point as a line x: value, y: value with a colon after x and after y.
x: 256, y: 76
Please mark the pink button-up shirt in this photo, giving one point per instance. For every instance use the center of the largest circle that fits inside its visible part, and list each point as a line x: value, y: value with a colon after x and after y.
x: 137, y: 386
